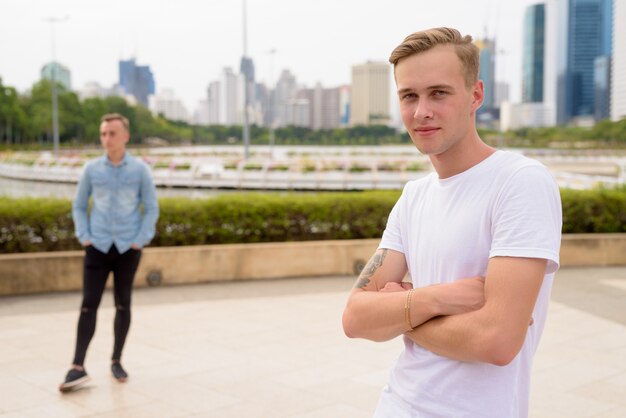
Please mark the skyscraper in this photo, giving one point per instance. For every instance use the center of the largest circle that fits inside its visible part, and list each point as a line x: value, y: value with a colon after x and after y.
x: 618, y: 62
x: 137, y: 81
x: 533, y: 54
x: 555, y: 59
x: 601, y: 87
x: 324, y: 106
x: 59, y: 72
x: 246, y: 69
x: 285, y: 92
x: 488, y: 112
x: 344, y: 105
x: 370, y: 94
x: 330, y: 104
x: 231, y: 98
x: 487, y: 73
x: 213, y: 100
x: 167, y: 104
x: 588, y: 37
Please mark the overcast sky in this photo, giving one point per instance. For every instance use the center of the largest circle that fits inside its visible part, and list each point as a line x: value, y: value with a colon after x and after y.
x: 187, y: 42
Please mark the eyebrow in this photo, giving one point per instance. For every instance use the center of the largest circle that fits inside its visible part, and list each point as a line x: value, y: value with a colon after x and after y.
x: 433, y: 87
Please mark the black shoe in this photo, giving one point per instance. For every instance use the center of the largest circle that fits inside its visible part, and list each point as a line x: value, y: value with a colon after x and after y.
x: 118, y: 372
x: 73, y: 379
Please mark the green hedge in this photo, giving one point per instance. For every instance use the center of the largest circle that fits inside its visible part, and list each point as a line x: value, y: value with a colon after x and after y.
x: 594, y: 211
x: 271, y: 217
x: 34, y: 224
x: 30, y: 224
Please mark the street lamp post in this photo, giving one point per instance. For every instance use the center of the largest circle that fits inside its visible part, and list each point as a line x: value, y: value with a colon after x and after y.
x: 53, y: 76
x: 272, y: 104
x: 246, y: 93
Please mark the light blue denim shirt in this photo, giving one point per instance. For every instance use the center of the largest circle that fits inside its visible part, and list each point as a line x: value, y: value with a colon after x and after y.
x: 117, y: 194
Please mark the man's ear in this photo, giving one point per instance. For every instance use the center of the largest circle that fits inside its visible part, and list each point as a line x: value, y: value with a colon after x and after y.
x: 478, y: 95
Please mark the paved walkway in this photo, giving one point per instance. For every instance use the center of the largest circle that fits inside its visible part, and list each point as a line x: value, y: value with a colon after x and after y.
x: 276, y: 349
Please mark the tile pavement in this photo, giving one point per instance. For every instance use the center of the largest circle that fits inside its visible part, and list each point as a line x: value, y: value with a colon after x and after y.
x: 276, y: 349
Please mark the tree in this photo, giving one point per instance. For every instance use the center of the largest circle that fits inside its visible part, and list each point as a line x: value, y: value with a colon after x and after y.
x: 13, y: 121
x: 38, y: 107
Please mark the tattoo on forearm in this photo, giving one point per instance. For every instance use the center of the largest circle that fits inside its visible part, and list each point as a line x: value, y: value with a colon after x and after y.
x: 361, y: 283
x: 371, y: 267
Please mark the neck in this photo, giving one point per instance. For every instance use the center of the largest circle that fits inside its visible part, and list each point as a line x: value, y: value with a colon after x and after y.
x: 464, y: 156
x: 116, y: 157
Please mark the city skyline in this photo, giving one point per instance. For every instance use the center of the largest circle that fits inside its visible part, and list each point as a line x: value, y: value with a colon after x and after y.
x: 186, y: 52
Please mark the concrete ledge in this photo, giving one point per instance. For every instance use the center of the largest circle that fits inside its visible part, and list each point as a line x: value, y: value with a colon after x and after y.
x: 62, y: 271
x: 580, y: 250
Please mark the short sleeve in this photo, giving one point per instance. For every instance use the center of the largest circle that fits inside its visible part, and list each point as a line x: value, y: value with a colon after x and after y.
x: 527, y: 218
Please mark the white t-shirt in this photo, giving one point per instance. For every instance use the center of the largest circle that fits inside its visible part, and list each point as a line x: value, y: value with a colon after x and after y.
x: 507, y: 205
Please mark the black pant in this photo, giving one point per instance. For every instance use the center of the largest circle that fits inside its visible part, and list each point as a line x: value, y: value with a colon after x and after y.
x: 97, y: 267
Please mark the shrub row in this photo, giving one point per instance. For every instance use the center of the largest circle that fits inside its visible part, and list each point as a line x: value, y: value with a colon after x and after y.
x: 36, y: 224
x: 594, y: 211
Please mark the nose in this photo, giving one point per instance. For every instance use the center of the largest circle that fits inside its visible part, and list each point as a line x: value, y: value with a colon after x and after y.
x: 422, y: 111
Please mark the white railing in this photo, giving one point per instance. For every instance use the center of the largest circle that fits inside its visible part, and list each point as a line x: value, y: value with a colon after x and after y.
x: 210, y: 173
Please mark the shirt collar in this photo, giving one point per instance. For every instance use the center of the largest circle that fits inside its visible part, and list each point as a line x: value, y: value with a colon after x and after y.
x: 106, y: 160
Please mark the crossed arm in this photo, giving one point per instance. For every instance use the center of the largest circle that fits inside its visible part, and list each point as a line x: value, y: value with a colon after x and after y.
x: 467, y: 320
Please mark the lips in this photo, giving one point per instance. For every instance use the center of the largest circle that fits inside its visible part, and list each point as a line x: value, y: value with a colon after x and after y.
x: 426, y: 130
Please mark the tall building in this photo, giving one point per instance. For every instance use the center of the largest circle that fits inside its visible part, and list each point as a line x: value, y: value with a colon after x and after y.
x: 330, y: 108
x: 370, y: 94
x: 261, y: 111
x: 285, y: 92
x: 487, y: 72
x: 555, y: 59
x: 323, y: 106
x: 525, y: 115
x: 304, y: 103
x: 94, y: 89
x: 589, y: 33
x: 299, y: 112
x: 601, y: 88
x: 136, y: 80
x: 246, y: 69
x: 502, y: 92
x: 230, y: 98
x: 344, y: 105
x: 488, y: 113
x: 213, y: 103
x: 201, y: 115
x: 618, y: 62
x: 533, y: 54
x: 167, y: 104
x: 225, y: 99
x: 59, y: 72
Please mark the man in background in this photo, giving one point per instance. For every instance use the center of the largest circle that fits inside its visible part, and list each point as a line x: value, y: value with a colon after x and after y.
x: 120, y: 223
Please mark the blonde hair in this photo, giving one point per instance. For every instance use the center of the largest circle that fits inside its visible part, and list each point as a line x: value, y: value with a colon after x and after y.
x: 116, y: 116
x: 424, y: 40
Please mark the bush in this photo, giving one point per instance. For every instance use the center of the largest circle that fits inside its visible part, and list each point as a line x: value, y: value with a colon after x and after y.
x: 30, y: 224
x: 46, y: 224
x: 272, y: 217
x: 601, y: 210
